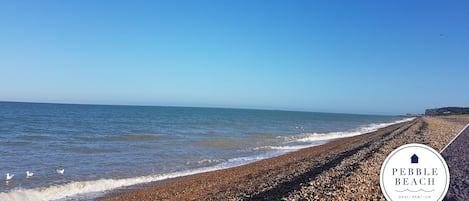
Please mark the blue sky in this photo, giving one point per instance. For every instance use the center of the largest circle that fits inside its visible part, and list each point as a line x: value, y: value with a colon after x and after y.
x: 382, y: 57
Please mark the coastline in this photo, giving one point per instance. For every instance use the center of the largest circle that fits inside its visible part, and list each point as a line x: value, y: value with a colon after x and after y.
x: 91, y: 181
x: 335, y: 170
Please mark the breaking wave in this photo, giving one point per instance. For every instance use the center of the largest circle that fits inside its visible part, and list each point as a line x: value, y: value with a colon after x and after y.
x: 89, y: 190
x: 204, y: 162
x: 315, y: 137
x: 305, y: 140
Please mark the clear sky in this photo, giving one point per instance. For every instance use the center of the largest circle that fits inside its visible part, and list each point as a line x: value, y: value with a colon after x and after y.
x: 381, y: 57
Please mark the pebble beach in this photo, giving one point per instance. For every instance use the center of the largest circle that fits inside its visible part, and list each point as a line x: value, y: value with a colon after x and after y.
x: 343, y: 169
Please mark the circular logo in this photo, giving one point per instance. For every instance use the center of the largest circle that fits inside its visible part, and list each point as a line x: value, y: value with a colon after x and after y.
x: 414, y: 172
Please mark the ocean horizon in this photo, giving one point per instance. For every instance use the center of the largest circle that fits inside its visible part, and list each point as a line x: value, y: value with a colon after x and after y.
x: 106, y: 147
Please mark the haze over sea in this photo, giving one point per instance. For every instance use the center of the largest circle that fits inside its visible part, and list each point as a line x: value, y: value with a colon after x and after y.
x: 104, y: 147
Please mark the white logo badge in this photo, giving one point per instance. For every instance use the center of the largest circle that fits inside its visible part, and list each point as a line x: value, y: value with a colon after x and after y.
x: 414, y: 172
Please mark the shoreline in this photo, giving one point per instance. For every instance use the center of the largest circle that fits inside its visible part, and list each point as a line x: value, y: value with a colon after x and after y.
x: 293, y: 175
x: 109, y: 187
x: 136, y: 187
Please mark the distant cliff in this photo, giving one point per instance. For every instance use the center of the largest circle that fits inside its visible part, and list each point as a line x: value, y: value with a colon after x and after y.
x: 447, y: 111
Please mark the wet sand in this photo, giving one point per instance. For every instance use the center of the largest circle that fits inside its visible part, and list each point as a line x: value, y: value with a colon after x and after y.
x: 344, y: 169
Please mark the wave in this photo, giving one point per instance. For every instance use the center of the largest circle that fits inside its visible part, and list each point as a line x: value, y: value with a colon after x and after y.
x: 263, y: 134
x: 246, y: 160
x: 306, y: 140
x: 16, y: 143
x: 224, y: 143
x: 88, y: 150
x: 286, y: 148
x: 34, y: 137
x: 89, y: 190
x: 315, y: 137
x: 204, y: 162
x: 69, y: 190
x: 124, y: 138
x: 138, y: 137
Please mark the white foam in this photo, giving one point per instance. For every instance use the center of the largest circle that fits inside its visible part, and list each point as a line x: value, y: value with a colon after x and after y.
x: 285, y: 148
x: 101, y: 186
x: 64, y: 191
x: 315, y: 137
x: 204, y: 162
x: 245, y: 160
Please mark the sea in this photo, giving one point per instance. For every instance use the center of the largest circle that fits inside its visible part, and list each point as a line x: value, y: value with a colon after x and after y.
x: 104, y: 148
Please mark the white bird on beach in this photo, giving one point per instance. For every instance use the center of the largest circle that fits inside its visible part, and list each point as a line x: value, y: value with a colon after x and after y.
x: 29, y: 174
x: 9, y: 176
x: 60, y: 171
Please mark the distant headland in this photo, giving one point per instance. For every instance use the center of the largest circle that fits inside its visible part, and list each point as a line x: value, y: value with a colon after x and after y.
x: 447, y: 111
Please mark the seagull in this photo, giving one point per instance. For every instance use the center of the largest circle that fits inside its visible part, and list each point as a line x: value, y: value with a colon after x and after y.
x: 29, y: 174
x: 60, y: 171
x: 9, y: 176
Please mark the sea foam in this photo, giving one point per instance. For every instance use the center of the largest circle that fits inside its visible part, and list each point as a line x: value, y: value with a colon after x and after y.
x: 315, y: 137
x: 96, y: 188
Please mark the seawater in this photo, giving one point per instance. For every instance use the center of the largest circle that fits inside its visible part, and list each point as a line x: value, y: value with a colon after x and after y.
x: 103, y: 148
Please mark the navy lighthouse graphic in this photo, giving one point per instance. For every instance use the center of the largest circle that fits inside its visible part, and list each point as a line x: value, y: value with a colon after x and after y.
x: 414, y: 159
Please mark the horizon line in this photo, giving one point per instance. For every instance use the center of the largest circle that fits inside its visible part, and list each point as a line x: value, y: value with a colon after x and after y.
x: 186, y: 106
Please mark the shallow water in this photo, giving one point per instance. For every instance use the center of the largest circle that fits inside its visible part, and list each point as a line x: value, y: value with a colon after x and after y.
x: 105, y: 147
